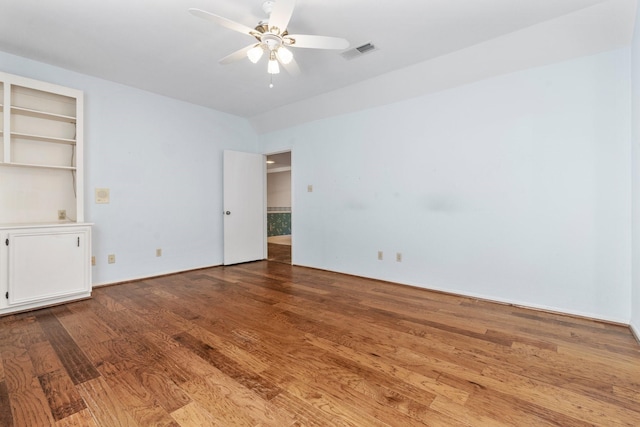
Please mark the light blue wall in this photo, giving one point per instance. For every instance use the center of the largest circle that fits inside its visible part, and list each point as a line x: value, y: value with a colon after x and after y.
x: 516, y: 188
x: 162, y: 160
x: 635, y: 132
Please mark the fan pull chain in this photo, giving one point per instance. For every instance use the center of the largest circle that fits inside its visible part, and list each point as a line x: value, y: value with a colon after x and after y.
x: 270, y: 81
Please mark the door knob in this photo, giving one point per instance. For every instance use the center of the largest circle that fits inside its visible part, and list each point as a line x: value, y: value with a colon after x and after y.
x: 228, y: 213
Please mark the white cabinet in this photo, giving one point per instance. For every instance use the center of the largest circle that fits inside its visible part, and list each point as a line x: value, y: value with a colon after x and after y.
x: 45, y: 250
x: 44, y: 265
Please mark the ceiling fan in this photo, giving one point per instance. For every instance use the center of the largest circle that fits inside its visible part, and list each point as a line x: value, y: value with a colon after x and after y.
x: 273, y: 37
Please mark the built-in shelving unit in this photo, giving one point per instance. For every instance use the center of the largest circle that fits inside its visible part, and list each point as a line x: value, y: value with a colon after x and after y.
x: 42, y: 150
x: 44, y: 255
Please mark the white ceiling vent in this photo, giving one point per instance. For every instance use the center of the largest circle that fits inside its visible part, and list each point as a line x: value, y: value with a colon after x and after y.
x: 357, y: 52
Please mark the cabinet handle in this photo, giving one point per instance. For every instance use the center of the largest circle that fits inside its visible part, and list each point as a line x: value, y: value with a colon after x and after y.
x: 78, y: 241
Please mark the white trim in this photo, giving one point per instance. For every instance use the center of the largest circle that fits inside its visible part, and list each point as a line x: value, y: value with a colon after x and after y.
x: 635, y: 331
x: 166, y: 273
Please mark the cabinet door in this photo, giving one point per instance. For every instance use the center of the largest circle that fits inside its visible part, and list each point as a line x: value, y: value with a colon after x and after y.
x: 47, y: 265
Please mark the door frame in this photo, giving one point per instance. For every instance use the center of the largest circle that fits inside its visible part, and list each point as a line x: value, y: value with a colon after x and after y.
x: 266, y: 202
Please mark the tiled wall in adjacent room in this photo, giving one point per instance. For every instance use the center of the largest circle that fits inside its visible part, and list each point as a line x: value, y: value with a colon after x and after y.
x: 278, y: 223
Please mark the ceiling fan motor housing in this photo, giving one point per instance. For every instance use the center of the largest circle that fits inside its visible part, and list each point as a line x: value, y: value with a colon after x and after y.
x: 272, y: 41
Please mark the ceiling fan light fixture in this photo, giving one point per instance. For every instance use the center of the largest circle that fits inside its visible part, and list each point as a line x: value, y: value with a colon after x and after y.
x: 255, y: 53
x: 284, y: 55
x: 273, y: 67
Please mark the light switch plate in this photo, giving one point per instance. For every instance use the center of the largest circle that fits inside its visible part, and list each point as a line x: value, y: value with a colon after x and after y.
x: 102, y: 195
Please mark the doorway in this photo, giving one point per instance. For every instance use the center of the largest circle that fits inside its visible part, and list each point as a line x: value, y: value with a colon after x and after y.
x: 279, y: 245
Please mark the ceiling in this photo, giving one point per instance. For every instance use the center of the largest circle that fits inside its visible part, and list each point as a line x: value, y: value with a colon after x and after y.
x: 156, y: 45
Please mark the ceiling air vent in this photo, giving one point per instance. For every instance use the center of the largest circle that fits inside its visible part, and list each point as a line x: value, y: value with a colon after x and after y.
x: 356, y: 52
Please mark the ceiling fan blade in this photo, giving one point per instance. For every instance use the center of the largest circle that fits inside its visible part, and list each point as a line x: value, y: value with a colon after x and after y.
x: 316, y: 42
x: 292, y: 68
x: 237, y: 55
x: 281, y: 14
x: 222, y: 21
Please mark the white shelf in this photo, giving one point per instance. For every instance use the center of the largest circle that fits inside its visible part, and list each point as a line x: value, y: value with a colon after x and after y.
x: 42, y: 114
x: 29, y: 165
x: 41, y: 150
x: 43, y: 138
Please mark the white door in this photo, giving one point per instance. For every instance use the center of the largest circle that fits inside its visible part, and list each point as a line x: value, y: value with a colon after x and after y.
x: 244, y: 207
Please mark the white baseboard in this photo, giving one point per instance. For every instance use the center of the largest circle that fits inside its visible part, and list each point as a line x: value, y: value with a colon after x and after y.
x: 494, y: 299
x: 166, y: 273
x: 635, y: 331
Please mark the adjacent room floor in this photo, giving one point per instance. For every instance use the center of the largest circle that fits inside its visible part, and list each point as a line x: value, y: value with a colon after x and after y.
x: 279, y: 248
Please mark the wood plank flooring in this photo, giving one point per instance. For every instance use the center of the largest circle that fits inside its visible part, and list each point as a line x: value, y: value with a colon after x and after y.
x: 279, y: 253
x: 268, y: 344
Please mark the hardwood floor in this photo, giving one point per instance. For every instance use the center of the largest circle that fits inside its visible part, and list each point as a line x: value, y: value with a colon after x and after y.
x: 268, y: 344
x: 279, y: 253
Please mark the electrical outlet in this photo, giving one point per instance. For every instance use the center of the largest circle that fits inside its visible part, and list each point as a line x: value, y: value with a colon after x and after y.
x: 158, y: 252
x: 399, y: 257
x: 380, y: 255
x: 111, y: 259
x: 62, y: 214
x: 93, y: 260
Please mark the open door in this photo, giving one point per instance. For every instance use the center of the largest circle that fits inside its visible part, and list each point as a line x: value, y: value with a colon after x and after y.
x: 244, y: 207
